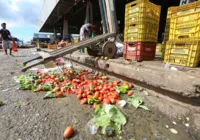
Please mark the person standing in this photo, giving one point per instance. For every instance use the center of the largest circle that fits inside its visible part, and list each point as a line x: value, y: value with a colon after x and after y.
x: 85, y: 33
x: 6, y: 38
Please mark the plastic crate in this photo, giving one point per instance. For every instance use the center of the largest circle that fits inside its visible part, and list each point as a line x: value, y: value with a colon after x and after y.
x: 141, y: 31
x: 139, y: 51
x: 141, y: 21
x: 142, y: 9
x: 184, y: 53
x: 52, y: 46
x: 181, y: 19
x: 184, y: 27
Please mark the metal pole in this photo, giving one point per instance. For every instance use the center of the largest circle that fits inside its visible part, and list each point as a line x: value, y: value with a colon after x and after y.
x: 103, y: 16
x: 113, y: 15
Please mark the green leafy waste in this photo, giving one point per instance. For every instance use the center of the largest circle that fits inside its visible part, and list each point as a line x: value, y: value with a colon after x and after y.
x: 26, y: 81
x: 122, y: 89
x: 136, y: 102
x: 109, y: 117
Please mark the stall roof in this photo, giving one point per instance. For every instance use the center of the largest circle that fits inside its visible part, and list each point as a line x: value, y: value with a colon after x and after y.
x: 61, y: 8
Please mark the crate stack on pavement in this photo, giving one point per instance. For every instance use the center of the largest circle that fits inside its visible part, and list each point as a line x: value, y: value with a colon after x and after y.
x: 183, y: 45
x: 141, y: 30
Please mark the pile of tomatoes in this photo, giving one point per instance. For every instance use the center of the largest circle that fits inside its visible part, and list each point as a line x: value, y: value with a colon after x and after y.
x: 98, y: 88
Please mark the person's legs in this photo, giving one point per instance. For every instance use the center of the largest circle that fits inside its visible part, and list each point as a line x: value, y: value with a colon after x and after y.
x: 10, y: 47
x: 6, y: 51
x: 5, y: 47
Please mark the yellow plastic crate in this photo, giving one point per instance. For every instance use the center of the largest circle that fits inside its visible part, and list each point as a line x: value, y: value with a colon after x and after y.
x: 141, y: 21
x: 183, y: 53
x: 142, y: 9
x: 184, y: 27
x: 52, y: 46
x: 141, y: 31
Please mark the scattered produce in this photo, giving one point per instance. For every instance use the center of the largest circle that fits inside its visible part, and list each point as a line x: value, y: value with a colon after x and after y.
x: 109, y: 119
x: 68, y: 132
x: 90, y: 89
x: 136, y: 102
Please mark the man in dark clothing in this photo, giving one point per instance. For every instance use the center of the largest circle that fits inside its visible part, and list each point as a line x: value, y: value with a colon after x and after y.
x: 6, y: 38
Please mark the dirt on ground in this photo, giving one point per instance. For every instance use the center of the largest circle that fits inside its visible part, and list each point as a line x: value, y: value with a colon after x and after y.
x: 26, y: 116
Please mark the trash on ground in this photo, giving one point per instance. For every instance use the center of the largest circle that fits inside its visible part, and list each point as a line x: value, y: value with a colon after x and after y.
x: 167, y: 126
x: 121, y: 103
x: 109, y: 120
x: 174, y: 122
x: 187, y: 118
x: 187, y: 125
x: 6, y: 89
x: 173, y: 130
x: 91, y: 128
x: 173, y: 68
x: 68, y: 132
x: 136, y: 102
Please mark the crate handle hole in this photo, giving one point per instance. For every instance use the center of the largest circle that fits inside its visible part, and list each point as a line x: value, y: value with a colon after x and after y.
x: 183, y: 36
x: 133, y: 5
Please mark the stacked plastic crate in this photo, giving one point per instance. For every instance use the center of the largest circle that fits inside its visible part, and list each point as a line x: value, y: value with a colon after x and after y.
x: 141, y: 30
x: 183, y: 46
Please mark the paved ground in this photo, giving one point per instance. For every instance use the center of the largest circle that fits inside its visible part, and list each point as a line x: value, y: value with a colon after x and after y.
x: 26, y: 116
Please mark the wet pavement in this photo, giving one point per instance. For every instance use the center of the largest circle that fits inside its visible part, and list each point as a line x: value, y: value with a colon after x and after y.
x: 26, y: 116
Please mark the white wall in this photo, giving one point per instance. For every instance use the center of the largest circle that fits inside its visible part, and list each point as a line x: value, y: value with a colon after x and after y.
x: 45, y: 12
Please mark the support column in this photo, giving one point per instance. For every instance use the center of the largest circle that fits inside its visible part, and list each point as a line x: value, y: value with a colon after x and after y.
x: 55, y: 32
x: 103, y: 16
x: 65, y: 28
x: 111, y: 14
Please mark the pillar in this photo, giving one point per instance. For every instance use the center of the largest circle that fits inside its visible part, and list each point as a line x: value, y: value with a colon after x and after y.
x: 65, y: 28
x: 111, y: 15
x: 55, y: 32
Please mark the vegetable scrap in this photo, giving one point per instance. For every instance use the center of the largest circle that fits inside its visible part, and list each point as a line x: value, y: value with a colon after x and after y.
x: 90, y: 89
x: 136, y: 102
x: 109, y: 119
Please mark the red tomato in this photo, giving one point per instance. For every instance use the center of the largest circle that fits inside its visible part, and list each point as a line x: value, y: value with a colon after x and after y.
x: 130, y: 85
x: 96, y: 89
x: 89, y: 96
x: 80, y: 92
x: 68, y: 132
x: 106, y: 101
x: 94, y: 105
x: 79, y: 96
x: 83, y: 101
x: 100, y: 98
x: 84, y: 95
x: 59, y: 94
x: 96, y: 94
x: 105, y: 96
x: 112, y: 89
x: 89, y: 93
x: 130, y: 93
x: 113, y: 101
x: 115, y: 95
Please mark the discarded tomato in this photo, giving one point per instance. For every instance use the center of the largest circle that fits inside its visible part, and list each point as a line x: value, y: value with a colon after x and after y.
x: 83, y: 101
x: 130, y: 93
x: 79, y: 96
x: 68, y: 132
x: 59, y: 94
x: 106, y: 101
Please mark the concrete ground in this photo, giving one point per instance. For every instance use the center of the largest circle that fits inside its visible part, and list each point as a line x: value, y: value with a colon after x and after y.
x: 26, y: 116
